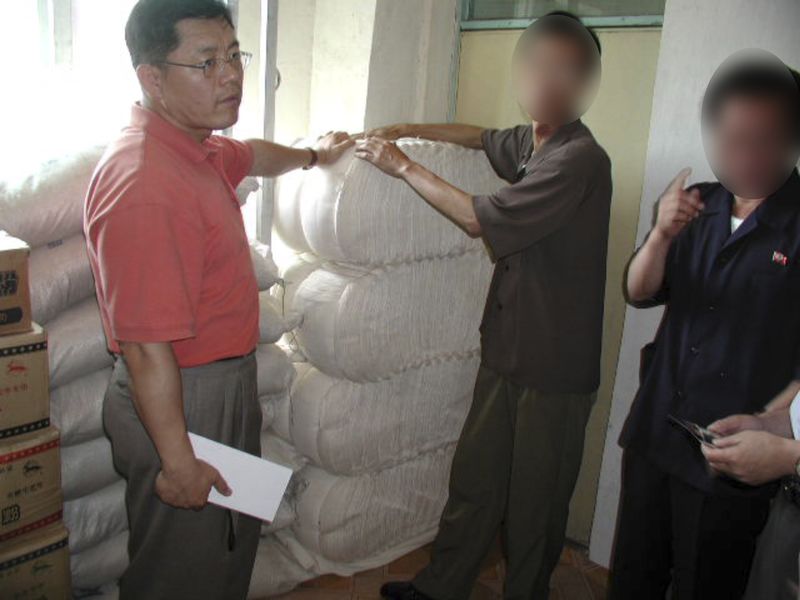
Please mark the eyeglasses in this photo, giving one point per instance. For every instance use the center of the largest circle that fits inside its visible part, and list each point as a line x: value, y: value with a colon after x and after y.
x: 213, y: 66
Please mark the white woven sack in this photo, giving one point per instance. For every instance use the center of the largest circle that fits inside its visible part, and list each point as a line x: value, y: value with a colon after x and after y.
x: 100, y: 565
x: 77, y: 344
x: 369, y: 325
x: 60, y: 277
x: 47, y: 204
x: 76, y: 408
x: 346, y: 519
x: 351, y: 428
x: 96, y: 518
x: 352, y: 212
x: 87, y: 468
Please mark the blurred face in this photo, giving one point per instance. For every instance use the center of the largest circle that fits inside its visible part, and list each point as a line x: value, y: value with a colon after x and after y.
x: 196, y: 100
x: 553, y: 83
x: 751, y: 147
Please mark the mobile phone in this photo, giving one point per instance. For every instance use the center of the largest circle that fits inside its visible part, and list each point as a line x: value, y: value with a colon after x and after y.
x: 701, y: 434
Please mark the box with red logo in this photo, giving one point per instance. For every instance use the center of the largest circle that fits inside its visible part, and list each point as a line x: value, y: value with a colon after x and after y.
x: 15, y: 293
x: 30, y: 483
x: 24, y: 382
x: 36, y: 565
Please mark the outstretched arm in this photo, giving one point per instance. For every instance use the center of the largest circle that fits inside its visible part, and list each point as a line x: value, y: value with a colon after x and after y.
x: 271, y: 159
x: 455, y: 133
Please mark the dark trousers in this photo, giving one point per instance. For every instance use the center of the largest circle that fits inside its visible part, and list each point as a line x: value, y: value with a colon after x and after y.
x: 178, y: 554
x: 670, y: 533
x: 775, y: 568
x: 515, y: 464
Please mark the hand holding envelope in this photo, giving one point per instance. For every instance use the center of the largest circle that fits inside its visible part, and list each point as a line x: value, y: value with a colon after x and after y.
x: 257, y: 485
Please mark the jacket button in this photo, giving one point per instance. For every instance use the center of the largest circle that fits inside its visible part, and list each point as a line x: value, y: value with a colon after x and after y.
x: 694, y: 350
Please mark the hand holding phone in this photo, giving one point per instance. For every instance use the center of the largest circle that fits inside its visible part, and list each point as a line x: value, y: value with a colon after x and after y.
x: 701, y: 434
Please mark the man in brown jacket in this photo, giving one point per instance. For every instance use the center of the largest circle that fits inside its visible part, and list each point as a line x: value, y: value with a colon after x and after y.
x: 520, y: 451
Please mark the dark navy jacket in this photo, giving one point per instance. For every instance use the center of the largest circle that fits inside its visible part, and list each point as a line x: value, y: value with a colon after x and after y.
x: 729, y: 340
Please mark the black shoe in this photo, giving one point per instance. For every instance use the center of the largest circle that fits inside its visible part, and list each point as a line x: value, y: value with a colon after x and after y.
x: 402, y: 590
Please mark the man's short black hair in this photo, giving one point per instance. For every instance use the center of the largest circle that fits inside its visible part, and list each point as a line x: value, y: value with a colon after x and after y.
x: 565, y: 24
x: 150, y: 32
x: 574, y: 17
x: 753, y: 74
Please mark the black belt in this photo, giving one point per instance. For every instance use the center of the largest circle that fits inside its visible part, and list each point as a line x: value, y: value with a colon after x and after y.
x: 791, y: 488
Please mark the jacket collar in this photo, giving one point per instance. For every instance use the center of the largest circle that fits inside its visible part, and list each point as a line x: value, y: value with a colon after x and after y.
x: 776, y: 212
x: 561, y: 135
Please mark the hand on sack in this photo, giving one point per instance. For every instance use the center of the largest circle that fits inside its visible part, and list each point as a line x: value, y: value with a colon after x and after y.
x: 331, y: 146
x: 677, y: 207
x: 188, y: 485
x: 753, y: 457
x: 388, y: 132
x: 384, y: 154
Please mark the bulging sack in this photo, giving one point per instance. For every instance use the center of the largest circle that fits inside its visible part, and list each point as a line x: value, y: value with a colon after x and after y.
x: 77, y: 343
x: 350, y: 428
x: 346, y: 519
x: 47, y: 205
x: 352, y: 212
x: 60, y: 277
x: 97, y: 517
x: 367, y: 325
x: 101, y: 564
x: 87, y: 468
x: 275, y: 371
x: 76, y: 408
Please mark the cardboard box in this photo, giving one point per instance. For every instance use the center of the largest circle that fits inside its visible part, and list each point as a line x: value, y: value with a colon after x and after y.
x: 24, y: 382
x: 36, y: 566
x: 30, y: 483
x: 15, y: 293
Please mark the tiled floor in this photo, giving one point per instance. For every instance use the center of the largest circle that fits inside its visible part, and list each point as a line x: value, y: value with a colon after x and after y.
x: 575, y: 578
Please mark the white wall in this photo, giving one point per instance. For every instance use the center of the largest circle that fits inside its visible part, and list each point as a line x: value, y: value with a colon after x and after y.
x: 696, y: 38
x: 413, y: 56
x: 355, y: 64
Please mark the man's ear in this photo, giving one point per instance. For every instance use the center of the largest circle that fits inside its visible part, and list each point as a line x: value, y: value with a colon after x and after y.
x: 150, y: 78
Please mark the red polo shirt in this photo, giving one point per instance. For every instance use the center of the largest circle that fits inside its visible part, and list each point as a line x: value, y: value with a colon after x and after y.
x: 167, y: 243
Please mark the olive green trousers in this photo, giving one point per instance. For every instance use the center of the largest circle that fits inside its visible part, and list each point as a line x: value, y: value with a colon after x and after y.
x: 515, y: 468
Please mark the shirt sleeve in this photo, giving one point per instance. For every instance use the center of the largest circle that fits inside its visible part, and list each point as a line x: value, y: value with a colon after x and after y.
x: 237, y: 158
x: 150, y: 262
x: 504, y: 149
x: 519, y: 215
x: 673, y: 261
x: 662, y: 295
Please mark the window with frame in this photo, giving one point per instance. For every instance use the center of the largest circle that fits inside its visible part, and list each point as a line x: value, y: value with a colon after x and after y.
x: 71, y: 83
x: 488, y: 14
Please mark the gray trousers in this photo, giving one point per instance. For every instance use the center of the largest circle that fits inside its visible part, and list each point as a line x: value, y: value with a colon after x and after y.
x: 515, y: 466
x: 178, y: 554
x: 774, y: 574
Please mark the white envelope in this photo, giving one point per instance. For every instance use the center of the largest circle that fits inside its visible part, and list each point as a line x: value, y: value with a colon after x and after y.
x: 258, y: 485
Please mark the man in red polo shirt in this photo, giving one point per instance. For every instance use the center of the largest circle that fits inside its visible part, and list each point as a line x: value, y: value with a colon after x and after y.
x: 178, y: 297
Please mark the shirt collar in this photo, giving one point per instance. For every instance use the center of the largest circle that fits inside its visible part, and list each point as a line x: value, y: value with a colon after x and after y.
x: 561, y: 135
x: 177, y: 139
x: 775, y: 211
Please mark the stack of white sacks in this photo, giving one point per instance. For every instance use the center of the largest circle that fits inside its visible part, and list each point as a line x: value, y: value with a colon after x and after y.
x: 46, y: 210
x: 390, y: 296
